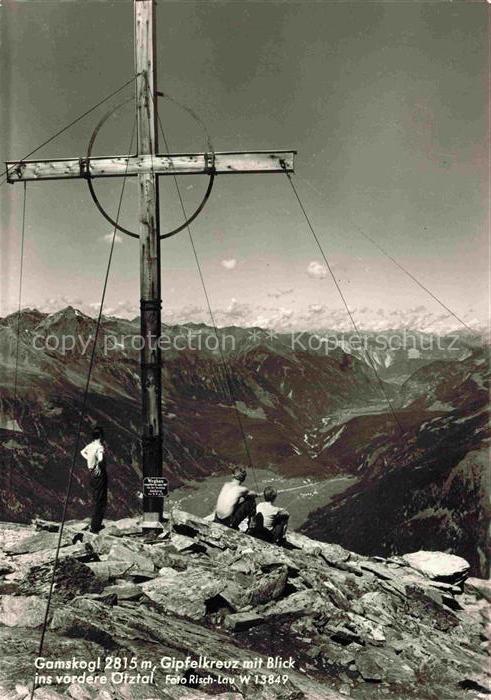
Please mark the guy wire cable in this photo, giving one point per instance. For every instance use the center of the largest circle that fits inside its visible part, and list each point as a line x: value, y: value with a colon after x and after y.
x: 17, y: 347
x: 72, y: 123
x: 345, y: 303
x: 80, y: 422
x: 212, y: 318
x: 397, y: 263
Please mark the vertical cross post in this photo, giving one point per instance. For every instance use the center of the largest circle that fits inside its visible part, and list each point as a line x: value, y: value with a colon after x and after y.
x: 149, y: 230
x: 147, y: 166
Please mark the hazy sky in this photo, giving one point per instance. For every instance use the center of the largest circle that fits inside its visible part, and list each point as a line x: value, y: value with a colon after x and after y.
x: 385, y: 102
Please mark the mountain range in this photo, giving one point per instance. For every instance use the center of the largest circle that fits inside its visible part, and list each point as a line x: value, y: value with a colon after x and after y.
x: 305, y: 404
x: 283, y: 313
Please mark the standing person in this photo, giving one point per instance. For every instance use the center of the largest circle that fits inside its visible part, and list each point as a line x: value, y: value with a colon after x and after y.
x: 94, y: 453
x: 274, y: 520
x: 235, y: 502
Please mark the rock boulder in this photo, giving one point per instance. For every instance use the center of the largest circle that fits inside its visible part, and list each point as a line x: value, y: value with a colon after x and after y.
x: 439, y: 566
x: 22, y: 611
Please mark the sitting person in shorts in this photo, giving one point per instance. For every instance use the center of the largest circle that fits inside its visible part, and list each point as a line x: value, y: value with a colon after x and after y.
x: 271, y: 522
x: 235, y: 502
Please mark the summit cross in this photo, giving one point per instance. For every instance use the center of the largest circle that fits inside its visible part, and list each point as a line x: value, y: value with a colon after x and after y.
x: 148, y: 165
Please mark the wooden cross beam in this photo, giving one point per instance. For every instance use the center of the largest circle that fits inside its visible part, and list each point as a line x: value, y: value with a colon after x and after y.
x: 178, y: 164
x: 148, y: 165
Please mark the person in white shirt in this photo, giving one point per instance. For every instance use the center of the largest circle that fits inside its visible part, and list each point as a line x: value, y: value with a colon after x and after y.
x: 235, y: 502
x: 94, y: 454
x: 271, y: 521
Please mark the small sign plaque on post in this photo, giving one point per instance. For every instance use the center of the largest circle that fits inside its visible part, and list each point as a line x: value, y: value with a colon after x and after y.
x: 155, y: 486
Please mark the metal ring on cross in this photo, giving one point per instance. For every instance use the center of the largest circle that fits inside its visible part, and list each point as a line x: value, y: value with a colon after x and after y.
x: 99, y: 206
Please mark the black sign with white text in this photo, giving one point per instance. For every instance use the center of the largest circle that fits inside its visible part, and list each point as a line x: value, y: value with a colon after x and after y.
x: 155, y: 486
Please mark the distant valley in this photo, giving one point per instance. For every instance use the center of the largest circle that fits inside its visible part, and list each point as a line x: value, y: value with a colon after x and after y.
x: 309, y: 406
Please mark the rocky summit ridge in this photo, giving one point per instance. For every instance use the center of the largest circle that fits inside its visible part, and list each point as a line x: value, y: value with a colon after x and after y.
x: 199, y: 604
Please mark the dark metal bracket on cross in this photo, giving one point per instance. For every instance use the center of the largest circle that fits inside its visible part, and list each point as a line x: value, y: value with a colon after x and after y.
x: 148, y: 165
